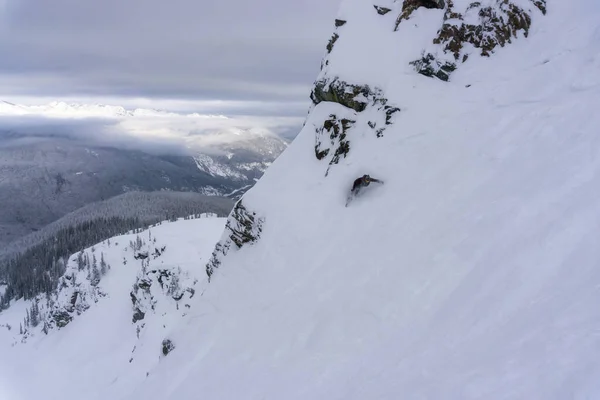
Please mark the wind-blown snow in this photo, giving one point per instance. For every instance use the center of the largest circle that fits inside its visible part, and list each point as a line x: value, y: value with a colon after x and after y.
x: 471, y: 273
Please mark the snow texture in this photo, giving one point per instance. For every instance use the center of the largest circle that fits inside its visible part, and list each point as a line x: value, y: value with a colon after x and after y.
x: 471, y: 274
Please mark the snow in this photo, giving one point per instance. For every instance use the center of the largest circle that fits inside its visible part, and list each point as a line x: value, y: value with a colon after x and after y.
x: 94, y: 349
x: 237, y: 190
x: 472, y: 273
x: 206, y: 163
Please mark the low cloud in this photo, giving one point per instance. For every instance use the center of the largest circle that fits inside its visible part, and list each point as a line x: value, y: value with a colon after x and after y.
x: 173, y: 134
x: 268, y: 50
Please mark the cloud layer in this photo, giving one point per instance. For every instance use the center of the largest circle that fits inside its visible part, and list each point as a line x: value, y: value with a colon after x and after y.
x: 148, y: 130
x: 261, y: 51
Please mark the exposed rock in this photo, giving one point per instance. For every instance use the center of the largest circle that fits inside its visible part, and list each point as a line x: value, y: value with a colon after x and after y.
x: 410, y: 6
x: 339, y: 22
x: 541, y: 5
x: 352, y: 96
x: 242, y: 227
x: 61, y: 318
x: 497, y: 25
x: 389, y: 112
x: 333, y: 135
x: 431, y: 67
x: 382, y: 10
x: 167, y: 347
x: 332, y: 41
x: 138, y: 315
x: 144, y: 284
x: 74, y: 298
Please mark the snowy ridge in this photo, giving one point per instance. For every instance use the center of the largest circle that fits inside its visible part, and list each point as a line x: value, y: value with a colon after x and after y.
x: 207, y: 164
x: 82, y: 284
x: 90, y: 321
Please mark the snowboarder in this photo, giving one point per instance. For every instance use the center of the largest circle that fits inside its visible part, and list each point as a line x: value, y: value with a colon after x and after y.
x: 359, y: 184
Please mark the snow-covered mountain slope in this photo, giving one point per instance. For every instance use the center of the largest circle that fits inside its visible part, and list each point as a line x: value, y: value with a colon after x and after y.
x: 108, y: 325
x: 472, y: 273
x: 243, y: 157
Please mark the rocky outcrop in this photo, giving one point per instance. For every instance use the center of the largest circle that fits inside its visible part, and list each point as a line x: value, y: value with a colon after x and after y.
x: 333, y: 135
x: 61, y: 318
x: 349, y: 95
x: 382, y: 10
x: 159, y: 284
x: 409, y: 6
x: 479, y: 27
x: 243, y: 227
x: 332, y: 41
x: 167, y: 347
x: 429, y: 66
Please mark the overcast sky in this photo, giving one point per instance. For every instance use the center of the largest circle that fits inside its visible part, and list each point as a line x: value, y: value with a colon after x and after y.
x: 168, y: 54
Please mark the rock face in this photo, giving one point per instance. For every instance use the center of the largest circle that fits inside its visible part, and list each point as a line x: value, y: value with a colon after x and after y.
x: 352, y: 96
x: 332, y: 133
x: 335, y: 130
x: 243, y: 227
x: 409, y: 6
x: 159, y: 284
x: 478, y: 27
x: 167, y: 347
x: 382, y: 10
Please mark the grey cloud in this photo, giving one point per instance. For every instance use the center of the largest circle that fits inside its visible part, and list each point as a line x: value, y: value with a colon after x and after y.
x: 165, y: 135
x: 264, y: 49
x: 98, y: 132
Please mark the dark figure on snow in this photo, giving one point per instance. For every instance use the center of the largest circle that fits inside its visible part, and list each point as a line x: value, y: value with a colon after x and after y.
x: 362, y: 182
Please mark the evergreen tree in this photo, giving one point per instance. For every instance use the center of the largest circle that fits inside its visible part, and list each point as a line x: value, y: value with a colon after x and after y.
x: 34, y: 315
x: 102, y: 265
x: 95, y: 275
x: 80, y: 261
x: 37, y: 266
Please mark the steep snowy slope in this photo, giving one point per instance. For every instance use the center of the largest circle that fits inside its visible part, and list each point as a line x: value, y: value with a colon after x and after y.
x: 472, y: 273
x: 104, y: 336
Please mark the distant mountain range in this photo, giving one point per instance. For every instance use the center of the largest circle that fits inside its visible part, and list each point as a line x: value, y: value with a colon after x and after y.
x: 45, y: 173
